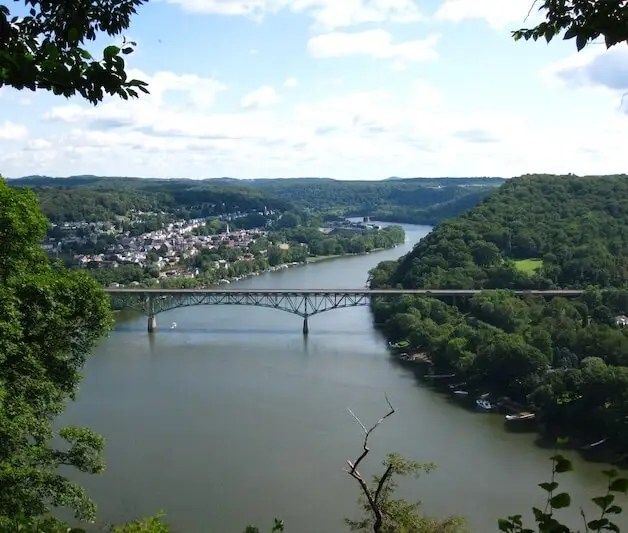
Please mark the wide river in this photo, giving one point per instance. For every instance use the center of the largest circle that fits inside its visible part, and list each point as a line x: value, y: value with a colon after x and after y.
x: 234, y: 418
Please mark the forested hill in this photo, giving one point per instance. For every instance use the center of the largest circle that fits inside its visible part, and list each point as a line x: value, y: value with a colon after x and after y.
x: 535, y: 231
x: 421, y: 200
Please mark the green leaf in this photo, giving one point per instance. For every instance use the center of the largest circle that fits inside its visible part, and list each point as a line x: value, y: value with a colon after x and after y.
x: 560, y: 501
x: 614, y: 509
x: 581, y: 41
x: 603, y: 501
x: 597, y: 525
x: 561, y: 464
x: 504, y: 525
x: 111, y: 51
x: 619, y: 485
x: 571, y: 33
x: 549, y: 487
x: 611, y: 473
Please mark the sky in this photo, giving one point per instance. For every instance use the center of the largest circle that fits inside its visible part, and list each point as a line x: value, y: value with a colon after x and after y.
x: 346, y: 89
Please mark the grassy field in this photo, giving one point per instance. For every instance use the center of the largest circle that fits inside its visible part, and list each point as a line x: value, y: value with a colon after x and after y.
x: 529, y: 265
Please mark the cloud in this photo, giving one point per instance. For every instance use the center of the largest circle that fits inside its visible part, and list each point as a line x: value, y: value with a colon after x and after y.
x: 375, y: 43
x: 595, y: 68
x: 327, y: 14
x: 12, y: 132
x: 408, y: 130
x: 260, y: 98
x: 475, y: 136
x: 497, y: 13
x: 291, y: 82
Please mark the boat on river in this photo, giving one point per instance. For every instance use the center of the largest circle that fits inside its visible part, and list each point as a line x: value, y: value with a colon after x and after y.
x: 484, y: 404
x: 520, y: 416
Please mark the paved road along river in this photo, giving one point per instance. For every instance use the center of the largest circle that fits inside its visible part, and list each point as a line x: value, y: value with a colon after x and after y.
x: 233, y: 417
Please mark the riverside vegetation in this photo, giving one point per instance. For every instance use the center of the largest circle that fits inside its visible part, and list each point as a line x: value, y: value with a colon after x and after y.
x: 50, y: 317
x: 567, y: 358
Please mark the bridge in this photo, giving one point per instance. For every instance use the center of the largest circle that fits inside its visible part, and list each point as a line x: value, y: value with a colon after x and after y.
x: 302, y: 302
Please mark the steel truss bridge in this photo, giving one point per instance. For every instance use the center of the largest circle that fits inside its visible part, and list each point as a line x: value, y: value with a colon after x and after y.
x: 302, y: 302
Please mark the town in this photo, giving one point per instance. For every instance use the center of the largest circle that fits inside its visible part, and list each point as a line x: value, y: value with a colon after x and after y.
x: 188, y: 249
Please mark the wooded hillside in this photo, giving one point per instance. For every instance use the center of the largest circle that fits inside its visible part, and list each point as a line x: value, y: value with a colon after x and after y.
x: 532, y: 232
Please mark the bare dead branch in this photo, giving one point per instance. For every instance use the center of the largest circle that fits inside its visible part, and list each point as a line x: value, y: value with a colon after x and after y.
x: 530, y: 10
x: 355, y: 474
x: 382, y: 482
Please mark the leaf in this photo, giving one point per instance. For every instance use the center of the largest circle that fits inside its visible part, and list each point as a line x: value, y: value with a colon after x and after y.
x: 571, y: 33
x: 597, y: 525
x: 111, y: 51
x: 619, y: 485
x: 561, y: 464
x: 603, y: 501
x: 614, y: 509
x: 610, y: 473
x: 73, y: 35
x: 581, y: 41
x: 549, y: 487
x: 560, y: 501
x: 504, y: 525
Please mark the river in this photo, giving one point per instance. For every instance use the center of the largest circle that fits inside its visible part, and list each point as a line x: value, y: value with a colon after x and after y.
x: 233, y: 417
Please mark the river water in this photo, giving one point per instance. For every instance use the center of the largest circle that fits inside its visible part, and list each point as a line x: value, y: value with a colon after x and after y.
x: 234, y: 418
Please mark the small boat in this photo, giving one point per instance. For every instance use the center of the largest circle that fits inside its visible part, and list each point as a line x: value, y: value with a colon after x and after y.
x: 461, y: 393
x: 594, y: 444
x: 484, y: 404
x: 174, y: 325
x: 520, y: 416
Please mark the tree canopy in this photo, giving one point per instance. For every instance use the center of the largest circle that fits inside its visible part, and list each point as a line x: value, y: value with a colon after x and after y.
x: 582, y: 20
x: 50, y: 319
x: 43, y: 47
x: 568, y: 359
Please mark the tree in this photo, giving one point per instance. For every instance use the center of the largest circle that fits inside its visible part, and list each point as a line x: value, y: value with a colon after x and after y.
x: 45, y: 50
x: 50, y: 318
x: 383, y: 514
x: 584, y: 20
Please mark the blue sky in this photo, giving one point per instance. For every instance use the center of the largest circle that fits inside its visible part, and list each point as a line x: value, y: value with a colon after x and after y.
x: 348, y: 89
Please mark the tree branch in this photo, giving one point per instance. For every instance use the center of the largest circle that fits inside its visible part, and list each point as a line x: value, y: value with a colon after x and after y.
x: 355, y: 474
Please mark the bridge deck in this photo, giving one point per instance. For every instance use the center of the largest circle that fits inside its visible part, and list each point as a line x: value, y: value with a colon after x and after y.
x: 377, y: 292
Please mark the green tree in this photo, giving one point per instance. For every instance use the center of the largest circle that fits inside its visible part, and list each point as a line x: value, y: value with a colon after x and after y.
x: 383, y: 513
x: 584, y: 20
x: 50, y: 318
x: 45, y: 50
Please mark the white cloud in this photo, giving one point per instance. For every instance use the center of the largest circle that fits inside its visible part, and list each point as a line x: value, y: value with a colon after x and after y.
x: 265, y: 96
x: 375, y: 43
x: 497, y: 13
x: 291, y: 82
x: 593, y: 67
x: 415, y: 129
x: 327, y: 14
x: 12, y: 132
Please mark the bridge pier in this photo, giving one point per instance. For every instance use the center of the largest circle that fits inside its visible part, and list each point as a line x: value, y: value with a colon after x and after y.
x: 306, y: 329
x: 152, y: 323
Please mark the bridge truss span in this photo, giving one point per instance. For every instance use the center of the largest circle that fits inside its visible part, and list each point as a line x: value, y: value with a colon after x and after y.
x: 301, y: 302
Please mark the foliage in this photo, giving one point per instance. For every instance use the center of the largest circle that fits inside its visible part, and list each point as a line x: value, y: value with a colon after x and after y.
x: 546, y: 520
x: 45, y: 49
x: 566, y: 358
x: 420, y: 201
x: 399, y: 515
x: 49, y: 320
x: 340, y: 241
x: 584, y: 20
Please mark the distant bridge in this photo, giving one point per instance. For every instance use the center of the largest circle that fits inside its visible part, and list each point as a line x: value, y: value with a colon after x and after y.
x: 301, y: 302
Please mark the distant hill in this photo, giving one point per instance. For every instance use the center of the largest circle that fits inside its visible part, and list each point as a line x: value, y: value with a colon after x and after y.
x: 416, y: 200
x: 536, y: 231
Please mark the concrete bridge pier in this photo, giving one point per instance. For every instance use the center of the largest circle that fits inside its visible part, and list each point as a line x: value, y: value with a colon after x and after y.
x: 152, y: 323
x: 306, y: 329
